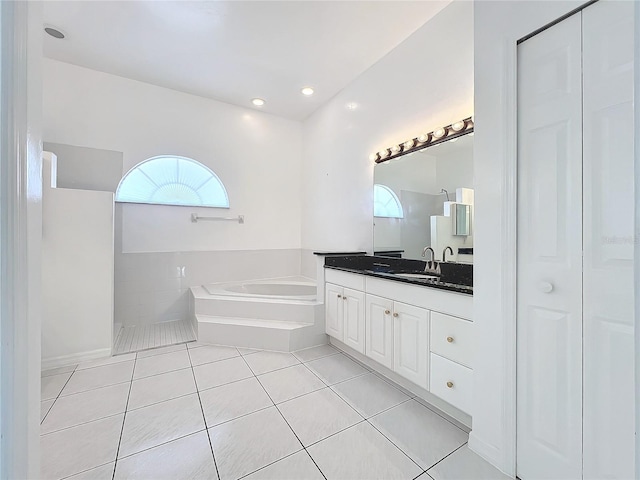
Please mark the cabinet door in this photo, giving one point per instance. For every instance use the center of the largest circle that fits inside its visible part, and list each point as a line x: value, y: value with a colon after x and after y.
x: 411, y: 343
x: 334, y: 308
x: 379, y: 330
x: 353, y: 319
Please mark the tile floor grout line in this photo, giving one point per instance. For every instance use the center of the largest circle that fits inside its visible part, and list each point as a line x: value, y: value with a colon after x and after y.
x: 204, y: 418
x: 445, y: 457
x: 55, y: 399
x: 161, y: 444
x: 442, y: 415
x: 79, y: 424
x: 394, y: 444
x: 124, y: 419
x: 276, y: 370
x: 381, y: 411
x: 269, y: 464
x: 92, y: 389
x: 413, y: 396
x: 364, y: 418
x: 314, y: 359
x: 285, y: 421
x: 336, y: 433
x: 88, y: 470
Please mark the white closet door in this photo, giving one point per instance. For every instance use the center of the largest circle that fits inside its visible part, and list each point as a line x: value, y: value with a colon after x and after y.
x: 549, y: 314
x: 608, y: 241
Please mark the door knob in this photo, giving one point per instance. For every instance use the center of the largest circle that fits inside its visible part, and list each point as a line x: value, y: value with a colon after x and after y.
x: 545, y: 287
x: 339, y: 296
x: 387, y: 312
x: 395, y: 314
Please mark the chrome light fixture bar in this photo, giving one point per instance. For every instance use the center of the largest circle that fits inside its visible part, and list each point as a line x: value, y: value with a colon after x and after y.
x: 440, y: 135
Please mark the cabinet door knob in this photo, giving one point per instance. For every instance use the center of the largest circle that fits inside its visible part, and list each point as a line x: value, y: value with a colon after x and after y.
x: 344, y: 297
x: 450, y: 339
x: 545, y: 287
x: 387, y: 312
x: 339, y: 296
x: 450, y: 384
x: 395, y: 314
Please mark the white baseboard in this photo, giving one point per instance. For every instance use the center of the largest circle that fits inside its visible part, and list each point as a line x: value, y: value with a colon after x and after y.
x: 489, y: 452
x: 64, y: 360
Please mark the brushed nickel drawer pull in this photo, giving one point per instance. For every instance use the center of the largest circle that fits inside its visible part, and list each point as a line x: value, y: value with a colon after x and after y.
x: 395, y: 314
x: 450, y: 339
x: 387, y: 312
x: 450, y: 384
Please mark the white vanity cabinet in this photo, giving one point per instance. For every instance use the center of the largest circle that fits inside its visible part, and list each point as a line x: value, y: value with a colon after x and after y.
x: 345, y: 315
x: 397, y: 336
x: 423, y: 335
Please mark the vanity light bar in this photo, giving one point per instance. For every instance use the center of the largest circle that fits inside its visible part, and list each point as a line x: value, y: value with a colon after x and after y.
x: 440, y: 135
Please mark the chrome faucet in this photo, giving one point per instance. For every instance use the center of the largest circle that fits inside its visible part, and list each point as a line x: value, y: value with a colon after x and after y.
x: 430, y: 266
x: 426, y: 249
x: 444, y: 253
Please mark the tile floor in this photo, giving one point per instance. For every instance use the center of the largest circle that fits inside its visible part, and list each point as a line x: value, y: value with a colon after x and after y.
x: 213, y: 412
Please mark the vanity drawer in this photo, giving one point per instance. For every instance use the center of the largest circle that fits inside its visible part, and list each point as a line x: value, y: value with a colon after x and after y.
x: 452, y: 382
x: 344, y: 279
x: 452, y: 338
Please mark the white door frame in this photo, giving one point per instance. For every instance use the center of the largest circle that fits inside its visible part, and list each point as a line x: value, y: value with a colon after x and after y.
x: 637, y: 225
x: 20, y: 237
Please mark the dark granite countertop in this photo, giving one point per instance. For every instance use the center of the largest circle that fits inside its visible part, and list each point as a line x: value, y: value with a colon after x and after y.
x: 455, y: 277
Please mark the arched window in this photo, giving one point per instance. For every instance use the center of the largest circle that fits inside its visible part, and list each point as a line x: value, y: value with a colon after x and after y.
x: 172, y: 180
x: 386, y: 202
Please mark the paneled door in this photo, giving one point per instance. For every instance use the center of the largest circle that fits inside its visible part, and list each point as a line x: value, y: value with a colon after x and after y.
x: 411, y: 343
x: 576, y: 414
x: 549, y: 290
x: 353, y: 319
x: 334, y: 316
x: 379, y: 330
x: 608, y: 240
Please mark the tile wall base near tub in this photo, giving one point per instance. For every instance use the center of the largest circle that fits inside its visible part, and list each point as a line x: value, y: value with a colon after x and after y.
x: 153, y: 287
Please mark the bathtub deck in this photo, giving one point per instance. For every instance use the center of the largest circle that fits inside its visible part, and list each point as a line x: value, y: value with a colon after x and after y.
x: 143, y: 337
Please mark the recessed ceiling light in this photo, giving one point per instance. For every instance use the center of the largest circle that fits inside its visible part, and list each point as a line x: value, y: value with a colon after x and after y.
x: 258, y: 102
x: 352, y: 106
x: 55, y: 33
x: 307, y: 91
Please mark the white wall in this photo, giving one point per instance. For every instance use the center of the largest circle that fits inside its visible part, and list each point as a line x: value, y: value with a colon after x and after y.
x: 86, y: 168
x: 424, y: 83
x: 257, y: 156
x: 497, y: 27
x: 77, y: 274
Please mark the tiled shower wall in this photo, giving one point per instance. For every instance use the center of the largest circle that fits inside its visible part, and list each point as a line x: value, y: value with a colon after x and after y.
x: 153, y: 287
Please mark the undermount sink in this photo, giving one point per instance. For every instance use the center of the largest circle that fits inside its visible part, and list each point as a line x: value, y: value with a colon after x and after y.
x: 419, y: 276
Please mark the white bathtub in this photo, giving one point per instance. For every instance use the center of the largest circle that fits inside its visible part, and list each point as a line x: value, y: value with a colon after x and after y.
x: 282, y: 314
x: 289, y: 288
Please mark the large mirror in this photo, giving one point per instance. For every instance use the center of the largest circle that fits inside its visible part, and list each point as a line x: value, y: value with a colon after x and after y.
x: 425, y: 199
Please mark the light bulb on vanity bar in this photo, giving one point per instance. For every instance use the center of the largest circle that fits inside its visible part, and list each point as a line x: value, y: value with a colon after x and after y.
x: 439, y: 133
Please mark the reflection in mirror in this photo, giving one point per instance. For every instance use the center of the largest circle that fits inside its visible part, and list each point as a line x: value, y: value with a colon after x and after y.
x: 425, y: 199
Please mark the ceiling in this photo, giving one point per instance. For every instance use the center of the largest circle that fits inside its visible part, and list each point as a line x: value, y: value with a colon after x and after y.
x: 234, y: 51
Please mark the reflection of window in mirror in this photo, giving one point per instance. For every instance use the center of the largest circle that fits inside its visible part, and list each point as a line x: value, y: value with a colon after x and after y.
x: 386, y: 203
